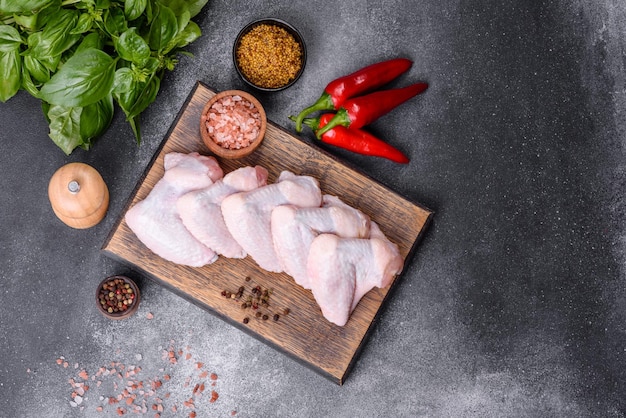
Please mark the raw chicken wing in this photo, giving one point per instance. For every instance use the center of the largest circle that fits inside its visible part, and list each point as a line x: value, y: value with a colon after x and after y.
x: 342, y: 270
x: 201, y: 210
x: 155, y: 220
x: 294, y: 228
x: 248, y: 214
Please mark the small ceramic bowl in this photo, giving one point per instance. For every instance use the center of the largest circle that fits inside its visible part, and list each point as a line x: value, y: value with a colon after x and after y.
x: 111, y: 294
x: 216, y: 148
x: 272, y: 22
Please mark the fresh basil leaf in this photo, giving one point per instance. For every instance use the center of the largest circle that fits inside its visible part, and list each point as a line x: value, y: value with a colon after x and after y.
x: 127, y: 93
x: 84, y: 24
x: 91, y: 40
x: 138, y: 97
x: 115, y: 21
x: 10, y: 74
x: 180, y: 9
x: 23, y: 6
x: 147, y: 96
x: 65, y: 127
x: 132, y: 47
x: 134, y: 8
x: 55, y: 37
x: 86, y: 4
x: 28, y: 84
x: 84, y: 79
x: 125, y: 100
x: 51, y: 63
x: 10, y: 39
x: 123, y: 80
x: 162, y: 29
x: 36, y: 69
x: 194, y: 6
x: 27, y: 21
x: 103, y: 4
x: 188, y: 35
x: 151, y: 65
x: 182, y: 19
x: 96, y: 118
x: 149, y: 13
x: 134, y: 124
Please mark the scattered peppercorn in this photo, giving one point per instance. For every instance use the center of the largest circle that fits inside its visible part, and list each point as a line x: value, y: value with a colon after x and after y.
x: 258, y: 300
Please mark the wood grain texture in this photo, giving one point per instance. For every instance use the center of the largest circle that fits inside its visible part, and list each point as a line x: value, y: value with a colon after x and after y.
x: 303, y: 334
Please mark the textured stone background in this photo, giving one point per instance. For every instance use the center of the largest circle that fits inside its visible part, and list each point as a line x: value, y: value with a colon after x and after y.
x: 514, y: 303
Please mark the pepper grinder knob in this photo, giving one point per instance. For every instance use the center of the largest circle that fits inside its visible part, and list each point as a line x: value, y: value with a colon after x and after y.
x: 78, y: 195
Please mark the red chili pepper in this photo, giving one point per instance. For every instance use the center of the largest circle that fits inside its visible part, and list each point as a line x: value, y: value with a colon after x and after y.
x: 363, y: 110
x: 351, y: 85
x: 355, y: 140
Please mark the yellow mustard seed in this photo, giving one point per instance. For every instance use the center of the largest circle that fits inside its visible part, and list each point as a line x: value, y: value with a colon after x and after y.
x: 269, y: 56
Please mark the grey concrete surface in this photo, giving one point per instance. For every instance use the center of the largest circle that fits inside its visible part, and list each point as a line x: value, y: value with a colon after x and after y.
x: 514, y: 303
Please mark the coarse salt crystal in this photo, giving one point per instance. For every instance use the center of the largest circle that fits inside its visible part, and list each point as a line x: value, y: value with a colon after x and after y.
x: 233, y: 122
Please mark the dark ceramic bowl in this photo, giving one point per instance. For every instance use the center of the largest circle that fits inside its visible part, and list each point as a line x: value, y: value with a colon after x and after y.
x: 117, y: 282
x: 281, y: 24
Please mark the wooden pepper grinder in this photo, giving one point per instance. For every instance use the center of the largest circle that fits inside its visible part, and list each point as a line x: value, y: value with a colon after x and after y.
x: 78, y: 195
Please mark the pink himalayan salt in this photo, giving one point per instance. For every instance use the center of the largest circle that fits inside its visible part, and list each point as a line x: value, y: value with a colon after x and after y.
x: 233, y: 122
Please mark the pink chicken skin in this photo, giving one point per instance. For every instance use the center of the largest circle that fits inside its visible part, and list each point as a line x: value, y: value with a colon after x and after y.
x: 201, y: 210
x: 343, y: 270
x: 155, y: 220
x: 294, y: 228
x: 248, y: 214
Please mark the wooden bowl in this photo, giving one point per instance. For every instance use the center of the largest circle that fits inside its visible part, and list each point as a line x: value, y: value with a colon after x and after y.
x: 120, y: 314
x: 216, y: 148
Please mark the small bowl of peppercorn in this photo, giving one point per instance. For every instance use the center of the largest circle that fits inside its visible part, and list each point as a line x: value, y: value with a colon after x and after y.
x: 117, y: 297
x: 269, y: 54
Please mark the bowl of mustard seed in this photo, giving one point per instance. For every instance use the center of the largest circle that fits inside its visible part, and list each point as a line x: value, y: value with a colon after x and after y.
x: 269, y: 54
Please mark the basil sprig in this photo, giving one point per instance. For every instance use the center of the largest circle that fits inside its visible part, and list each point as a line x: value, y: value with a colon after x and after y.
x: 81, y: 57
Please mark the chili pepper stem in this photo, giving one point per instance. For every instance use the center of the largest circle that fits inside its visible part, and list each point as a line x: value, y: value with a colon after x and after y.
x: 325, y: 102
x: 312, y: 123
x: 340, y: 118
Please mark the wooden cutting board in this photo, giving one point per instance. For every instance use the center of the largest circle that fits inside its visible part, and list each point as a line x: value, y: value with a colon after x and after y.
x: 302, y: 333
